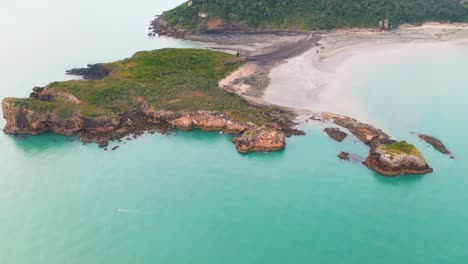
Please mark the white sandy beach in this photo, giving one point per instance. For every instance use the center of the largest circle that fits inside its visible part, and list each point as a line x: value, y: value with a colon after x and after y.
x: 327, y: 77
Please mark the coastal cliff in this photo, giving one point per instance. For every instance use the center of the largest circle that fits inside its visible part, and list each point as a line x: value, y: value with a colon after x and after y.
x: 152, y: 91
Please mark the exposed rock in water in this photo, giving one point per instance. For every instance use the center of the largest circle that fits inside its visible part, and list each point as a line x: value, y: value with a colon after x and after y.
x: 103, y: 143
x: 365, y: 132
x: 262, y: 139
x: 281, y: 119
x: 344, y: 156
x: 92, y: 72
x: 396, y: 159
x: 116, y: 147
x: 436, y: 143
x: 386, y: 156
x: 336, y: 134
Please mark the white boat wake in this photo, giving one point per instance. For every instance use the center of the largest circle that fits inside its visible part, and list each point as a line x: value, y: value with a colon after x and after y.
x: 126, y: 211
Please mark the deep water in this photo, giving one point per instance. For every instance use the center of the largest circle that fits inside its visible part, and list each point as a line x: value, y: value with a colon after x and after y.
x: 189, y: 197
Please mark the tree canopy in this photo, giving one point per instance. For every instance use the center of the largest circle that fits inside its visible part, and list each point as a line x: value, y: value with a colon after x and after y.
x: 316, y: 14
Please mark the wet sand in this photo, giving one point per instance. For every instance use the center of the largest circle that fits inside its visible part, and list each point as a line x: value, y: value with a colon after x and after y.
x: 262, y: 52
x: 324, y: 77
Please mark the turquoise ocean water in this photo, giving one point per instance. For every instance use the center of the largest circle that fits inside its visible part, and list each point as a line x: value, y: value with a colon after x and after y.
x: 191, y: 198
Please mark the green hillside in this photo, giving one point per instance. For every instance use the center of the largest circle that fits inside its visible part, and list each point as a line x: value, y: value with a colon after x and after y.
x: 310, y: 14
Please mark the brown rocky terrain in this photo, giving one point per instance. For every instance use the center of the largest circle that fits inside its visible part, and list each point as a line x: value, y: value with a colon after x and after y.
x: 364, y: 132
x: 344, y: 156
x: 436, y: 143
x: 261, y: 139
x: 21, y: 121
x: 336, y: 133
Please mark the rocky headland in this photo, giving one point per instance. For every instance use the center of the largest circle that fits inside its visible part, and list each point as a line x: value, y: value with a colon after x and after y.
x: 154, y: 91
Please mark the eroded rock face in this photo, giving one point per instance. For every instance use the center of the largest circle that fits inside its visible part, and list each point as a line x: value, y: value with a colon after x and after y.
x: 260, y: 139
x: 365, y: 132
x: 336, y: 134
x: 101, y: 129
x: 204, y: 120
x: 159, y: 26
x: 24, y: 121
x: 396, y: 159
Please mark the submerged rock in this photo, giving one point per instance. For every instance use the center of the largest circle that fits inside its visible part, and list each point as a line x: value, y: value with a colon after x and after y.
x: 262, y: 139
x: 394, y: 159
x: 436, y: 143
x: 344, y: 156
x: 336, y: 134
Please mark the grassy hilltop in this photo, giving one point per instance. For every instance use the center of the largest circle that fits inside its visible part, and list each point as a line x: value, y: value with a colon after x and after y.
x: 311, y: 14
x: 166, y: 79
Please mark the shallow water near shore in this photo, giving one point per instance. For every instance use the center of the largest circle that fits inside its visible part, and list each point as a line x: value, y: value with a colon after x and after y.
x: 189, y: 197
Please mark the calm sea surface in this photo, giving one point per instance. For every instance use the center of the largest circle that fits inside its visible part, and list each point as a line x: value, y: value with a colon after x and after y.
x: 191, y: 198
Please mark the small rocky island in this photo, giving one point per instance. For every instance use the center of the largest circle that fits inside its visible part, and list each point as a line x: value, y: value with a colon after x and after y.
x: 386, y: 156
x: 396, y: 158
x: 152, y: 91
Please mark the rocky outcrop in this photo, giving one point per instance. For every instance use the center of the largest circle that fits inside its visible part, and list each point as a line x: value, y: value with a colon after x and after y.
x: 364, y: 132
x: 159, y: 26
x: 36, y: 92
x: 336, y: 133
x: 395, y: 159
x: 261, y: 139
x: 92, y: 72
x: 436, y: 143
x: 21, y: 120
x: 386, y: 156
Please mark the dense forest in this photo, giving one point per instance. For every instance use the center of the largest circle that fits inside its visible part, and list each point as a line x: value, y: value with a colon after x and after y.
x: 314, y: 14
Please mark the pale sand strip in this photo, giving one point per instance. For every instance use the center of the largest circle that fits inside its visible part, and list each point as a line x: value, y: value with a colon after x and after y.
x: 318, y: 79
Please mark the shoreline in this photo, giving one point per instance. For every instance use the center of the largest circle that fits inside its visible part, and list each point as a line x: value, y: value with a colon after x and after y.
x: 316, y: 79
x: 317, y: 55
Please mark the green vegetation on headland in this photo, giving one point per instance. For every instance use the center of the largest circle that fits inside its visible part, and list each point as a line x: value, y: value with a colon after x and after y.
x: 166, y: 79
x: 310, y: 14
x: 400, y: 147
